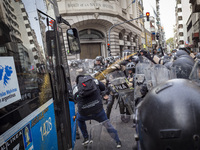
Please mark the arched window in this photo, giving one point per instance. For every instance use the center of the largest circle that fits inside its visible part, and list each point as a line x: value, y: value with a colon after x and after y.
x: 128, y: 38
x: 120, y: 36
x: 91, y: 34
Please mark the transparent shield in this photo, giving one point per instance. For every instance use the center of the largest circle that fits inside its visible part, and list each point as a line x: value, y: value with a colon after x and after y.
x: 102, y: 140
x: 195, y: 74
x: 160, y: 74
x: 150, y: 75
x: 124, y: 88
x: 88, y: 65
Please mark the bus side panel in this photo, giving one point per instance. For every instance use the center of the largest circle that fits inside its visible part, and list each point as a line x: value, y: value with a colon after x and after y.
x: 44, y: 132
x: 35, y: 132
x: 73, y: 122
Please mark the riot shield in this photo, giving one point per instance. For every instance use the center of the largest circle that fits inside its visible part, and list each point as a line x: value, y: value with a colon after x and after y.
x: 150, y: 75
x: 142, y: 77
x: 88, y: 65
x: 102, y: 136
x: 124, y: 89
x: 195, y: 74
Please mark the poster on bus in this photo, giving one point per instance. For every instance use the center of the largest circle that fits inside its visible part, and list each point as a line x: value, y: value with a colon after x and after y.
x: 9, y: 87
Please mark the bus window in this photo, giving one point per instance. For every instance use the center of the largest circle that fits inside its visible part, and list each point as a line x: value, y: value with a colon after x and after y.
x: 24, y: 70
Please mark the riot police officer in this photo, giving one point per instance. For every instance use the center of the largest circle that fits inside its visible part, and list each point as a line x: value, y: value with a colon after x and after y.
x: 168, y: 117
x: 130, y: 68
x: 99, y: 64
x: 109, y: 61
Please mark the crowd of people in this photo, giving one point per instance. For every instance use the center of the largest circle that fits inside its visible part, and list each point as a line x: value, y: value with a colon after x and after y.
x: 91, y: 106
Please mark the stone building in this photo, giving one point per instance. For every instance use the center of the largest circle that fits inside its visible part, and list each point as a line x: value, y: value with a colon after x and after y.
x: 182, y: 12
x: 93, y: 18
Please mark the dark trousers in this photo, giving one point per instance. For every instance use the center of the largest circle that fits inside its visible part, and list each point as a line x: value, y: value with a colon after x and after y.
x: 110, y: 105
x: 100, y: 117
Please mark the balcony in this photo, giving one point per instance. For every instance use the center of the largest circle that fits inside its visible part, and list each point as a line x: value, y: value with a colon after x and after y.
x: 179, y: 6
x: 180, y: 30
x: 30, y: 37
x: 181, y: 38
x: 180, y: 14
x: 26, y: 21
x: 24, y: 14
x: 180, y: 21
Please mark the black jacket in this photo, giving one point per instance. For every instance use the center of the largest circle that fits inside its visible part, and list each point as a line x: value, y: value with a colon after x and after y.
x: 91, y: 104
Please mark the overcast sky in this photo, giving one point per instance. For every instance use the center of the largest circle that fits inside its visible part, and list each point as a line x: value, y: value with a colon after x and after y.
x: 167, y: 14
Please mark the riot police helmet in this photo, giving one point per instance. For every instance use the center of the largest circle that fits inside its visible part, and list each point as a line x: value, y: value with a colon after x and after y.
x: 99, y: 58
x: 183, y: 65
x: 135, y: 59
x: 168, y: 117
x: 130, y: 66
x: 110, y: 60
x: 180, y: 53
x: 187, y: 50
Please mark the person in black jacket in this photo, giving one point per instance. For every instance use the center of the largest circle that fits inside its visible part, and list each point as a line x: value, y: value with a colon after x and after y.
x: 91, y: 108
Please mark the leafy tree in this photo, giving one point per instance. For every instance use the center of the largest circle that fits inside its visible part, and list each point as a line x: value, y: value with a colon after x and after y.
x: 170, y: 42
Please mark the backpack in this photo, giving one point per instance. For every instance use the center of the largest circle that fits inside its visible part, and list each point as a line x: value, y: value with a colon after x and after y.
x: 86, y: 85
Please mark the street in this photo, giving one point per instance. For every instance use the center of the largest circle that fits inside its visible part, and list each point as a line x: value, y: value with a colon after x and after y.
x: 101, y: 138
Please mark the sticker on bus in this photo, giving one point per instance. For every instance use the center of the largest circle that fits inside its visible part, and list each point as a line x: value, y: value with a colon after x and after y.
x: 9, y: 87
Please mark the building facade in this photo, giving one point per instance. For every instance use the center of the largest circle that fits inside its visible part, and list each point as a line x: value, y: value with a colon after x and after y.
x: 14, y: 21
x: 93, y: 19
x: 193, y: 31
x: 195, y: 21
x: 182, y: 12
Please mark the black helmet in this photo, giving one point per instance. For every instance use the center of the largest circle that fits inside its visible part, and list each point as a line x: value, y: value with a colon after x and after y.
x: 98, y: 58
x: 180, y: 53
x: 126, y: 53
x: 130, y: 66
x: 183, y: 65
x: 168, y: 117
x: 135, y: 59
x: 185, y: 49
x: 110, y: 59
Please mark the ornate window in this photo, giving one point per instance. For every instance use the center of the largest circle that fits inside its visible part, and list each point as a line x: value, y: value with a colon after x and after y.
x: 91, y: 34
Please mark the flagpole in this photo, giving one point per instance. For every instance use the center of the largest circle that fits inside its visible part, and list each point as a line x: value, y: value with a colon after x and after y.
x: 130, y: 4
